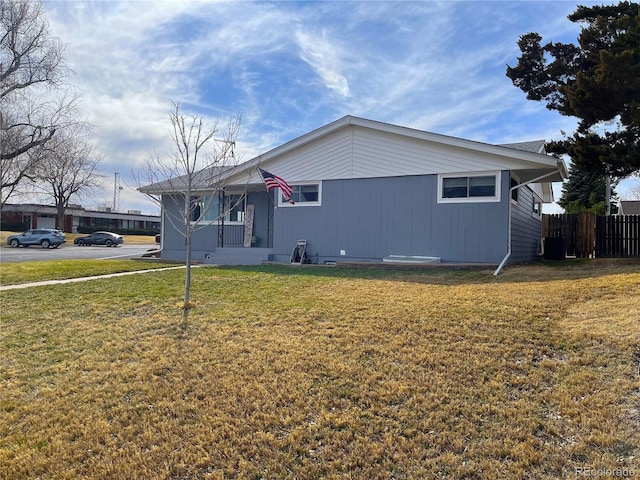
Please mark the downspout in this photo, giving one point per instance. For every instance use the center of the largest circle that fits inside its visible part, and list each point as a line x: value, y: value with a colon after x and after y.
x: 158, y: 251
x: 535, y: 180
x: 163, y: 222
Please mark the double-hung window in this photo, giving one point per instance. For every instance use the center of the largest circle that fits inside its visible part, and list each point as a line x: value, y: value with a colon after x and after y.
x: 475, y: 187
x: 305, y: 194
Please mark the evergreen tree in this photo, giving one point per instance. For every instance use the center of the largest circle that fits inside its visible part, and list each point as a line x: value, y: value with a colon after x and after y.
x: 584, y: 192
x: 596, y: 81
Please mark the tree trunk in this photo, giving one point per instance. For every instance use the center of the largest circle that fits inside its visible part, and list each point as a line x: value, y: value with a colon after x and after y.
x: 187, y: 287
x: 60, y: 217
x: 187, y: 280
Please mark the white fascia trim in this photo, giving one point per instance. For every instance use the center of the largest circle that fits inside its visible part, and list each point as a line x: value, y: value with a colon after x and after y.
x: 496, y: 198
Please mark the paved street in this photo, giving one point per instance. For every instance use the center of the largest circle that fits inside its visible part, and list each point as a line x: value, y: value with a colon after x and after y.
x: 69, y: 251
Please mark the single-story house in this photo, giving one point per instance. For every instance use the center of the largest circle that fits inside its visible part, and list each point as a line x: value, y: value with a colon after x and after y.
x: 34, y: 215
x: 367, y: 191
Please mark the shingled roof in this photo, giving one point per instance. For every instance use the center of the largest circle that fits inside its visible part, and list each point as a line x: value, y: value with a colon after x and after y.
x: 629, y: 207
x: 536, y: 146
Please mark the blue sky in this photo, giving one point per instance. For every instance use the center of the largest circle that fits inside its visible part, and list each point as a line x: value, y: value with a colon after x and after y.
x: 290, y: 67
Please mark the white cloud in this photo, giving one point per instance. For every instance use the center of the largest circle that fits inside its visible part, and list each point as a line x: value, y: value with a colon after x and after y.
x: 324, y: 58
x: 289, y: 67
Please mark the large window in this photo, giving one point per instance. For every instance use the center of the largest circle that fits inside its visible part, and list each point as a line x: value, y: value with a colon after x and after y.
x: 304, y: 195
x: 209, y: 211
x: 484, y: 187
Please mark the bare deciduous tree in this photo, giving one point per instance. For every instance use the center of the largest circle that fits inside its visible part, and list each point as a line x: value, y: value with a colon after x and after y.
x: 66, y: 167
x: 34, y: 102
x: 633, y: 193
x: 192, y: 174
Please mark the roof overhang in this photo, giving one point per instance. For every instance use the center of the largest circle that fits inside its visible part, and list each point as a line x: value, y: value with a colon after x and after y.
x: 526, y: 175
x: 541, y: 179
x: 206, y: 180
x: 527, y: 164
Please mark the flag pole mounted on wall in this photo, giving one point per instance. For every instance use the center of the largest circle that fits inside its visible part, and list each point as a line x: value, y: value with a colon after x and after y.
x: 272, y: 181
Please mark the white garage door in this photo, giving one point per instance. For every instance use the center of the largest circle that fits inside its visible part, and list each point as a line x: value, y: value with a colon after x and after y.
x: 46, y: 222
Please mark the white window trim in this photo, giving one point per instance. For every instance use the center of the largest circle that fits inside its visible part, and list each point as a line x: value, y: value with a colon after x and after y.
x: 496, y: 198
x: 284, y: 203
x: 536, y: 199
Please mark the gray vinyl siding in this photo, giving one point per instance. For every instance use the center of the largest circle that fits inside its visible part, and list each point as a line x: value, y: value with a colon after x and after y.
x: 372, y: 218
x: 526, y: 228
x: 173, y: 241
x: 262, y: 203
x: 203, y: 240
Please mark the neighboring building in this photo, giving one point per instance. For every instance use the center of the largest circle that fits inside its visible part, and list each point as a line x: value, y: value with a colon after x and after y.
x: 44, y: 216
x: 366, y: 190
x: 629, y: 207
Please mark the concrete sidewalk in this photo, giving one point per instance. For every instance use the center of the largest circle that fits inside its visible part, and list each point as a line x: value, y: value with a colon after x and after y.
x: 84, y: 279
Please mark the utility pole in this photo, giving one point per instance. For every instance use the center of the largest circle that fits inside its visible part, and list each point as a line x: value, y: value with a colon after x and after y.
x: 116, y: 192
x: 607, y: 194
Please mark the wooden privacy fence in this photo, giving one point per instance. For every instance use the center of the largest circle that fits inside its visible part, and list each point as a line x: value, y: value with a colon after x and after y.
x: 618, y: 236
x: 578, y: 232
x: 595, y: 236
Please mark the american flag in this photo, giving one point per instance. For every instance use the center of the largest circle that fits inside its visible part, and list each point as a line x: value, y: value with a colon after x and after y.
x: 272, y: 181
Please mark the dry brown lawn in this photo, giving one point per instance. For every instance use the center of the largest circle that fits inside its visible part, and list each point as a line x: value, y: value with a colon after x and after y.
x: 322, y: 373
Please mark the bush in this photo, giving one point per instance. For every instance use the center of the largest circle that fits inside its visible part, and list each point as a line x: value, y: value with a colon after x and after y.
x: 14, y: 226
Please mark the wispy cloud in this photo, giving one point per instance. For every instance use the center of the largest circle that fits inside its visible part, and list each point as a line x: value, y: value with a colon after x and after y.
x: 324, y: 58
x: 289, y: 67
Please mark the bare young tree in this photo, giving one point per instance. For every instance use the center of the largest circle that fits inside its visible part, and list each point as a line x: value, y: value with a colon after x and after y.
x: 67, y: 168
x: 633, y: 193
x: 34, y: 102
x: 193, y: 173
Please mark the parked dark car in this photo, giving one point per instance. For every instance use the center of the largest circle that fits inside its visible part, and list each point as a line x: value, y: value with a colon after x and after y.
x: 100, y: 238
x: 45, y: 237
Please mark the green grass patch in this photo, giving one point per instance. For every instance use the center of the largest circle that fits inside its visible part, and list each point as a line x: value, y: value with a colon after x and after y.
x: 323, y: 373
x: 27, y: 272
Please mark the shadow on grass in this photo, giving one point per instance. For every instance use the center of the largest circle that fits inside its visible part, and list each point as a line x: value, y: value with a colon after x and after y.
x: 543, y: 270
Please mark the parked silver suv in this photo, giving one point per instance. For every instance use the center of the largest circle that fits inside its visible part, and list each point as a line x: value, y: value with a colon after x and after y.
x: 45, y: 237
